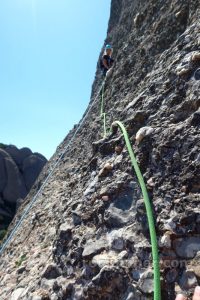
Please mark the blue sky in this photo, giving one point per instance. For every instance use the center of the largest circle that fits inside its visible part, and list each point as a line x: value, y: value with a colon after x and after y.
x: 48, y: 55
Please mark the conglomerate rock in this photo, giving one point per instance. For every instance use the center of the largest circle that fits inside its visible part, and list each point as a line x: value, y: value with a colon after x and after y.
x: 87, y: 235
x: 19, y: 169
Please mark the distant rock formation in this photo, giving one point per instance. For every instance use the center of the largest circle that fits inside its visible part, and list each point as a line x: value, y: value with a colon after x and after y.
x: 19, y: 168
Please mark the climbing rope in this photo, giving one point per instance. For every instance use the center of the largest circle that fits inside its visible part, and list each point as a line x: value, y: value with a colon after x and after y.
x: 157, y: 291
x: 151, y: 224
x: 103, y: 114
x: 29, y: 206
x: 153, y: 237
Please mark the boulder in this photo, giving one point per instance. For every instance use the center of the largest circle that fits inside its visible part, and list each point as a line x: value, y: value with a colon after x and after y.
x: 4, y: 213
x: 32, y: 166
x: 18, y: 155
x: 25, y: 152
x: 14, y: 152
x: 22, y: 186
x: 12, y: 190
x: 2, y: 173
x: 12, y: 184
x: 19, y: 168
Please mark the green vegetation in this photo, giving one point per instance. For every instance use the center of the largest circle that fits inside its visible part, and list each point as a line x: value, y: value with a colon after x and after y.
x: 2, y: 146
x: 20, y: 261
x: 2, y: 234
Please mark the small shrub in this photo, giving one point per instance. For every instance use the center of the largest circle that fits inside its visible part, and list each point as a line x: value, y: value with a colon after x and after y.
x: 20, y: 261
x: 2, y: 146
x: 2, y: 234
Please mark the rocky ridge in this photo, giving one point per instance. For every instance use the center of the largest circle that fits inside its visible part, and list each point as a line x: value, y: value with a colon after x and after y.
x: 19, y: 169
x: 87, y: 235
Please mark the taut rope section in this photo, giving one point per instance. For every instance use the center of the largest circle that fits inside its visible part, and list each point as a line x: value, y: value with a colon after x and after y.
x: 103, y: 114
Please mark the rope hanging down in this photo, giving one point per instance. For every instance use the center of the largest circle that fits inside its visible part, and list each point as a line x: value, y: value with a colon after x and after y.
x: 153, y: 237
x: 152, y: 230
x: 103, y: 114
x: 29, y: 206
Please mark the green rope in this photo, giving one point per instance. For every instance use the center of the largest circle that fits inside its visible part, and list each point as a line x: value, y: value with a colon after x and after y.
x: 102, y: 98
x: 153, y: 237
x: 103, y: 114
x: 104, y: 125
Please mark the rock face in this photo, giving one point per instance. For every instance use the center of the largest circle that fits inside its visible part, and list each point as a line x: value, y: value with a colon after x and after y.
x: 19, y: 168
x: 87, y: 236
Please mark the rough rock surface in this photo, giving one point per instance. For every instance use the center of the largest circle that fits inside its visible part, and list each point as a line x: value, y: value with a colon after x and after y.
x: 19, y: 169
x: 87, y: 235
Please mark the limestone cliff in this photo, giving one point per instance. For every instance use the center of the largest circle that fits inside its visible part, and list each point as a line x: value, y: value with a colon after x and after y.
x: 86, y: 237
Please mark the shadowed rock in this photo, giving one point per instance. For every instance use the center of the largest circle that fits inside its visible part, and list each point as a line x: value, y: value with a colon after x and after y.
x: 19, y: 168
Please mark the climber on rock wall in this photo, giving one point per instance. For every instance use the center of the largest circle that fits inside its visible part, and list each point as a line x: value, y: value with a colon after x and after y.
x: 106, y: 60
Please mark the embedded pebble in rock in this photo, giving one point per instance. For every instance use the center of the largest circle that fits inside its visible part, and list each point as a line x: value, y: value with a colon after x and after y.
x: 123, y: 254
x: 197, y: 74
x: 105, y: 259
x: 140, y: 207
x: 89, y: 223
x: 51, y: 271
x: 65, y: 229
x: 171, y: 275
x: 36, y: 298
x: 112, y: 275
x: 118, y: 243
x: 105, y: 170
x: 91, y: 187
x: 187, y: 247
x: 195, y: 56
x: 146, y: 282
x: 196, y: 270
x: 16, y: 295
x: 150, y: 182
x: 130, y: 296
x: 144, y: 131
x: 183, y: 71
x: 188, y: 280
x: 21, y: 270
x: 166, y: 240
x: 170, y: 225
x: 78, y: 295
x: 116, y: 217
x: 137, y: 20
x: 94, y: 247
x: 115, y: 239
x: 118, y: 161
x: 105, y: 198
x: 41, y: 294
x: 118, y: 150
x: 136, y: 275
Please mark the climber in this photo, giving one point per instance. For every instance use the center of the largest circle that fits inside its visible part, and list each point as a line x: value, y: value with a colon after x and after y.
x: 106, y: 62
